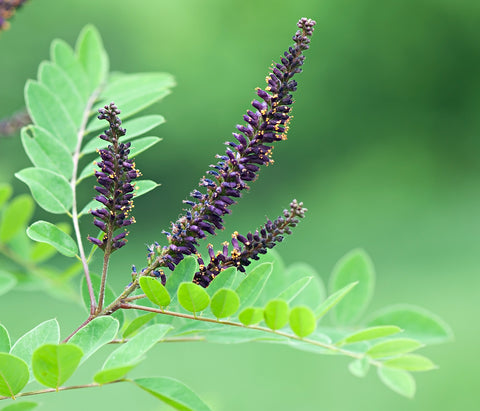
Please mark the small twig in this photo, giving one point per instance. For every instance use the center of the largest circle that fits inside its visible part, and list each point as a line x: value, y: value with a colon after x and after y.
x: 166, y: 340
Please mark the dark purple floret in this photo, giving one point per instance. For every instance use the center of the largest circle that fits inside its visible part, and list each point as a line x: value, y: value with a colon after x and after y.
x: 7, y: 10
x: 252, y: 148
x: 115, y: 185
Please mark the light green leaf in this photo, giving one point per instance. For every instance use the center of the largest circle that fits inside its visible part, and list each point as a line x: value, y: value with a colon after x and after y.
x: 4, y: 339
x: 393, y: 347
x: 399, y: 381
x: 251, y: 316
x: 313, y: 294
x: 370, y: 334
x: 355, y: 266
x: 49, y: 113
x: 417, y: 323
x: 13, y: 375
x: 51, y: 191
x: 359, y: 367
x: 411, y: 362
x: 302, y: 321
x: 333, y: 300
x: 275, y: 314
x: 173, y: 393
x: 7, y: 282
x: 95, y: 334
x: 21, y: 406
x: 225, y: 279
x: 144, y: 186
x: 5, y: 193
x: 184, y: 271
x: 295, y: 289
x: 42, y: 252
x: 53, y: 364
x: 62, y: 87
x: 142, y: 144
x: 92, y: 56
x: 46, y: 232
x: 113, y: 374
x: 45, y: 151
x: 138, y: 323
x: 252, y: 286
x: 155, y: 291
x: 192, y: 297
x: 16, y: 217
x: 224, y: 303
x: 47, y: 332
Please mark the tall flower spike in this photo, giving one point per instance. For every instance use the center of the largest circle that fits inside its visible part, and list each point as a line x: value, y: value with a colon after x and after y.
x: 242, y: 159
x: 115, y: 186
x: 7, y: 10
x: 247, y: 248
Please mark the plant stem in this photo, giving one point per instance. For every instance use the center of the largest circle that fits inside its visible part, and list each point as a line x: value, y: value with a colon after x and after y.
x: 106, y: 258
x: 166, y: 340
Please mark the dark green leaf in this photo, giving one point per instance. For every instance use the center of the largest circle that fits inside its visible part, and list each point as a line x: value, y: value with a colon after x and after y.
x: 393, y: 347
x: 416, y: 322
x: 411, y: 362
x: 333, y: 300
x: 4, y: 339
x: 138, y: 323
x: 13, y: 375
x: 398, y: 380
x: 224, y: 303
x: 302, y: 321
x: 251, y: 316
x: 192, y: 297
x: 355, y: 266
x: 16, y: 216
x: 51, y: 191
x: 155, y: 291
x: 5, y: 193
x: 7, y: 282
x: 173, y: 393
x: 21, y: 406
x: 359, y: 367
x: 53, y: 364
x: 142, y: 144
x: 251, y: 287
x: 46, y: 232
x: 275, y: 314
x: 370, y: 334
x: 144, y: 186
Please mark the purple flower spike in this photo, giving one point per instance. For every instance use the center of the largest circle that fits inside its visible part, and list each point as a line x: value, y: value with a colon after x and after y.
x: 7, y: 10
x: 115, y: 186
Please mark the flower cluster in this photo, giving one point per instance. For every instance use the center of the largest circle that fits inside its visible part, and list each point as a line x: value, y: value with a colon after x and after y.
x: 242, y: 159
x: 115, y: 186
x: 7, y: 10
x: 247, y: 248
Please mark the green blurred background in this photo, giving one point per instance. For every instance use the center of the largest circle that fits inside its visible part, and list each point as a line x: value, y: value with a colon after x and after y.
x: 383, y: 150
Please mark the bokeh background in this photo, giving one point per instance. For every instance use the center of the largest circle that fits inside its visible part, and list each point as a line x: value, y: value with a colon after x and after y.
x: 383, y: 150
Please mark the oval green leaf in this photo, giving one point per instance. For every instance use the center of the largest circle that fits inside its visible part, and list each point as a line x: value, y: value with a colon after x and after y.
x: 393, y: 347
x: 333, y: 300
x: 370, y: 334
x: 411, y: 362
x: 184, y: 271
x: 21, y: 406
x: 399, y: 381
x: 275, y: 314
x: 155, y: 291
x: 224, y: 303
x: 224, y: 279
x: 7, y: 282
x: 4, y: 339
x: 313, y: 294
x: 252, y: 286
x: 53, y: 364
x: 138, y: 323
x: 16, y: 217
x: 50, y: 190
x: 5, y: 193
x: 302, y: 321
x: 251, y: 316
x: 192, y: 297
x: 359, y: 367
x: 13, y: 375
x: 113, y: 374
x: 173, y: 393
x: 45, y: 232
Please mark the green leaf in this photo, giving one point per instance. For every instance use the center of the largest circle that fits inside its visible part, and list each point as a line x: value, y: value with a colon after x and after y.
x: 62, y: 87
x: 355, y: 266
x: 313, y: 294
x: 252, y: 286
x: 113, y: 374
x: 333, y: 300
x: 141, y: 125
x: 370, y: 334
x: 51, y: 191
x: 225, y: 279
x: 92, y: 56
x: 192, y: 297
x: 21, y: 406
x: 224, y: 303
x: 47, y: 332
x: 290, y: 293
x: 398, y: 380
x: 144, y: 186
x: 5, y: 193
x: 275, y: 314
x: 53, y: 364
x: 251, y: 316
x: 109, y: 296
x: 137, y: 323
x: 95, y: 334
x: 46, y: 232
x: 4, y: 339
x: 7, y: 282
x: 393, y: 347
x: 16, y: 217
x: 302, y: 321
x: 42, y: 252
x: 142, y: 144
x: 359, y: 367
x: 173, y: 393
x: 13, y: 375
x: 155, y: 291
x: 411, y: 362
x: 184, y: 271
x: 417, y: 323
x: 45, y: 151
x: 49, y: 113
